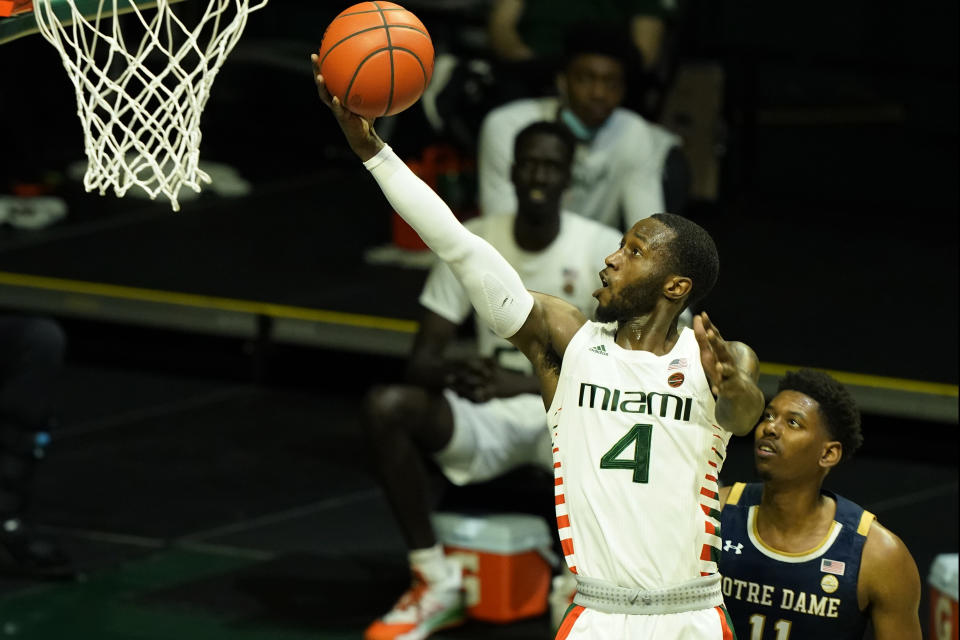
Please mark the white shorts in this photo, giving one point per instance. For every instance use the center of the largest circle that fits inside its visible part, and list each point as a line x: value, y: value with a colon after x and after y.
x: 705, y: 624
x: 494, y: 437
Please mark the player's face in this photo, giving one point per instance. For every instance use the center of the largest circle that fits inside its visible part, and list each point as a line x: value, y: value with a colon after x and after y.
x: 541, y: 172
x: 791, y: 439
x: 593, y: 86
x: 635, y: 274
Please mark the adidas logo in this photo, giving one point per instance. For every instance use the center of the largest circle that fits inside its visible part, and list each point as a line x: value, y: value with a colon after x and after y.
x: 601, y: 349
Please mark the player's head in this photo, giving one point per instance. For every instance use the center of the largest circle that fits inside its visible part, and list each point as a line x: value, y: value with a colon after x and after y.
x: 664, y: 259
x: 542, y: 157
x: 592, y: 81
x: 809, y: 426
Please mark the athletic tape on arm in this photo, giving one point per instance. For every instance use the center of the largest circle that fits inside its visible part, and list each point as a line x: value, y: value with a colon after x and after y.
x: 494, y: 287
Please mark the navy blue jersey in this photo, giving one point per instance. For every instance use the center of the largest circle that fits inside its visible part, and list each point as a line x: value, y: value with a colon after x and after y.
x: 776, y: 595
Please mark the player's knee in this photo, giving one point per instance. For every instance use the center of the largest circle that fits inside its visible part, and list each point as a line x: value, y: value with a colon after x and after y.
x: 390, y: 408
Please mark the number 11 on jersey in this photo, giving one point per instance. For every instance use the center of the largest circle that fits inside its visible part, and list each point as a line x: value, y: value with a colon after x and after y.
x: 758, y: 621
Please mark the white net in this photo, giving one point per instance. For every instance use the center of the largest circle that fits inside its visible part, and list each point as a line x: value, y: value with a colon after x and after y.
x: 142, y: 85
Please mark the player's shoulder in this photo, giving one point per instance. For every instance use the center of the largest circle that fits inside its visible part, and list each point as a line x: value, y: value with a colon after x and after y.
x: 737, y: 494
x: 887, y: 569
x: 884, y: 547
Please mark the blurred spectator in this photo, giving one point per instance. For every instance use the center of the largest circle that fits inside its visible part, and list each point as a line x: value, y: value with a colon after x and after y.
x: 31, y: 362
x: 526, y: 37
x: 625, y: 167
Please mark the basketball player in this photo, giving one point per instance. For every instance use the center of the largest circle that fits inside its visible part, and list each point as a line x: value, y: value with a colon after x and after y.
x: 799, y: 561
x: 640, y: 413
x: 479, y: 417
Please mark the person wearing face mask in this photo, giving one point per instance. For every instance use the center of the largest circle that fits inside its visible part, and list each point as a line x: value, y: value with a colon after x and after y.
x: 625, y: 168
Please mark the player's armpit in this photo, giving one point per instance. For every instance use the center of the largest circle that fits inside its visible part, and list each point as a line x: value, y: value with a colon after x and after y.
x: 543, y: 338
x: 889, y: 586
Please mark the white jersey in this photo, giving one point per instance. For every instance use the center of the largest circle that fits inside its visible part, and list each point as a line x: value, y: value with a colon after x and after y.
x: 617, y: 175
x: 637, y: 453
x: 567, y: 269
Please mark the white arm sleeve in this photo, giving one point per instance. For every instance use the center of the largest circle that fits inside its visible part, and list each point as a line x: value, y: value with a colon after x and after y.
x: 494, y: 287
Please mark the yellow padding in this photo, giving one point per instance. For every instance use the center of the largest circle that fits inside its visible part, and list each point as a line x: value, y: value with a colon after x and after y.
x: 865, y: 521
x: 734, y: 496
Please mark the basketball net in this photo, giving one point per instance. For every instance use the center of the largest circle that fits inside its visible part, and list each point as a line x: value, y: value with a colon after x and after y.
x: 140, y: 102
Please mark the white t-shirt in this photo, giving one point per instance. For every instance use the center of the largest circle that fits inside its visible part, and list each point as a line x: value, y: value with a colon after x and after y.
x: 568, y: 269
x: 637, y: 453
x: 620, y: 170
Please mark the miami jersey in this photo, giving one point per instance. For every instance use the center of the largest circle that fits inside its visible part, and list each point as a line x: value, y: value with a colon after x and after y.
x: 775, y: 595
x: 636, y: 456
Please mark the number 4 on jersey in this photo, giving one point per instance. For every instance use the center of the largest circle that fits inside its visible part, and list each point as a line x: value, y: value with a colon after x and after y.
x: 639, y: 436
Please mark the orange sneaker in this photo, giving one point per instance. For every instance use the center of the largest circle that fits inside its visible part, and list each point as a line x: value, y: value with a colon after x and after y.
x: 422, y: 610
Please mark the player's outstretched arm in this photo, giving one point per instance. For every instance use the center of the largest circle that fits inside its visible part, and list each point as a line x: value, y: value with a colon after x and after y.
x: 889, y: 586
x: 493, y: 286
x: 732, y: 370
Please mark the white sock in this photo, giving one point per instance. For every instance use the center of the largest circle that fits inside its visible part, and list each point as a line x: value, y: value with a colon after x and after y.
x: 431, y: 563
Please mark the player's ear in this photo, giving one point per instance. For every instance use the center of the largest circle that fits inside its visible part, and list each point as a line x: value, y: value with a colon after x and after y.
x: 831, y: 454
x: 677, y: 287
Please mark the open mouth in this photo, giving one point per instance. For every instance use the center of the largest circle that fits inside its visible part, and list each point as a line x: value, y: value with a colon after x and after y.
x: 765, y: 449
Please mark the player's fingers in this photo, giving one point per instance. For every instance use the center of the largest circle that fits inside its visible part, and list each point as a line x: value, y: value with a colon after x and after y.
x: 322, y: 90
x: 719, y: 346
x: 726, y: 370
x: 338, y: 109
x: 700, y: 333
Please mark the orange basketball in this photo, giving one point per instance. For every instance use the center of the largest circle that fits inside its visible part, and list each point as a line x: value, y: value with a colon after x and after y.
x: 377, y: 58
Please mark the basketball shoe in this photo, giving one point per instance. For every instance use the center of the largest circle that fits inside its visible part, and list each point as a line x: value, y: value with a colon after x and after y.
x: 426, y: 607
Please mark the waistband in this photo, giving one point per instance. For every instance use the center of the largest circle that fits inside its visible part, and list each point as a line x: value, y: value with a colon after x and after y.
x: 697, y: 594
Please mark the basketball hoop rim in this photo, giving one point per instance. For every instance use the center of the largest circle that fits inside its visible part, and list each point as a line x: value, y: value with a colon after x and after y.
x: 25, y: 24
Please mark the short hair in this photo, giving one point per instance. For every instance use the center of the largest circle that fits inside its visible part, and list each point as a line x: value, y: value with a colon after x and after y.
x: 602, y: 39
x: 692, y: 254
x: 839, y: 411
x: 546, y: 128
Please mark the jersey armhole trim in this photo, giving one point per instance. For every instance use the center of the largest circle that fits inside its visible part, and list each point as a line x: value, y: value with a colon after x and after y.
x: 734, y: 496
x: 866, y: 520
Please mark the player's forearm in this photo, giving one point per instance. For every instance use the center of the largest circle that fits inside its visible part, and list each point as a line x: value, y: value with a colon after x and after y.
x: 493, y: 286
x: 739, y: 407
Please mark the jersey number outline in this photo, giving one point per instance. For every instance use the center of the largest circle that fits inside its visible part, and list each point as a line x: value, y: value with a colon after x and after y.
x: 758, y: 621
x: 640, y: 435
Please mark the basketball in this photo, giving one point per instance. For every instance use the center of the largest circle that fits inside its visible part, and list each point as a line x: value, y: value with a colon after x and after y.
x: 377, y: 58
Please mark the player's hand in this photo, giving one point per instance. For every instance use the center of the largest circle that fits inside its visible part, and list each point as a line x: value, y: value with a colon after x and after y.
x: 716, y: 356
x: 473, y: 379
x: 358, y: 130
